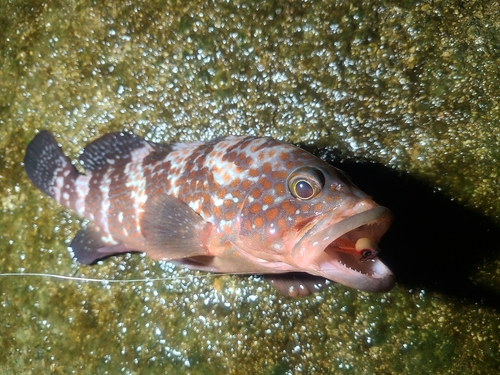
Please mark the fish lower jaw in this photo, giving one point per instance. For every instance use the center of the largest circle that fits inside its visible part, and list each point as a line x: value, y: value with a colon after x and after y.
x: 371, y: 275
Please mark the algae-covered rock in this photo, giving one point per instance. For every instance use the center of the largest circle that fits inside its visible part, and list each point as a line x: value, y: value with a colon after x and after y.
x: 403, y: 96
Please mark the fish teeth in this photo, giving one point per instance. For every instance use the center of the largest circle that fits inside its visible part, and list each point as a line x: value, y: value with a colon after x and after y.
x: 355, y: 270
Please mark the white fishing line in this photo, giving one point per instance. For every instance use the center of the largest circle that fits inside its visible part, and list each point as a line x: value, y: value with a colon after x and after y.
x: 89, y: 279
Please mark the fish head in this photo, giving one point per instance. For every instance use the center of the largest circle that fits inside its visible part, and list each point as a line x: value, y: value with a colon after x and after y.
x: 304, y: 215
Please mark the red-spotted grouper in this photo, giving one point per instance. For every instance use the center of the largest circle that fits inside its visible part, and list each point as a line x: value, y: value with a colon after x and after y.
x: 237, y: 205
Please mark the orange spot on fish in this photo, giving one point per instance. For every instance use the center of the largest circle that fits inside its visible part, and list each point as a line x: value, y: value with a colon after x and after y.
x: 271, y: 214
x: 265, y: 183
x: 282, y: 223
x: 329, y: 198
x: 318, y: 207
x: 268, y: 199
x: 247, y: 225
x: 237, y: 194
x: 235, y: 183
x: 258, y: 221
x: 227, y: 230
x: 280, y: 175
x: 305, y: 208
x: 228, y: 205
x: 217, y: 212
x: 280, y: 188
x: 254, y: 172
x: 205, y: 212
x: 249, y: 160
x: 284, y: 156
x: 211, y: 179
x: 222, y: 193
x: 245, y: 185
x: 214, y: 187
x: 255, y: 207
x: 267, y: 168
x: 288, y: 208
x: 256, y: 193
x: 232, y: 155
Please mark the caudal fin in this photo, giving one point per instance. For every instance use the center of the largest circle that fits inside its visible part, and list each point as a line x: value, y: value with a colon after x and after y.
x: 47, y: 167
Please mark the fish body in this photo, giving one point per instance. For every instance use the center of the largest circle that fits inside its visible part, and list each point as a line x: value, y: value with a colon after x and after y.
x: 238, y: 204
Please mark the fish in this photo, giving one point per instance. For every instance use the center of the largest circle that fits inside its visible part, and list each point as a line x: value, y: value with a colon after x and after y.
x: 231, y: 205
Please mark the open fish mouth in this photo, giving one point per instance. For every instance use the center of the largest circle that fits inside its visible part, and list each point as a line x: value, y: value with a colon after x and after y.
x: 346, y: 251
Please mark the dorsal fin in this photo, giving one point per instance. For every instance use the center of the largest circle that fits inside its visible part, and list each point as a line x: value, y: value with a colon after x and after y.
x: 116, y: 149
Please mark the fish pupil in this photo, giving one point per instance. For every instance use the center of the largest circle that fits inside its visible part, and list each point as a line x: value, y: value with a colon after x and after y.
x: 303, y: 189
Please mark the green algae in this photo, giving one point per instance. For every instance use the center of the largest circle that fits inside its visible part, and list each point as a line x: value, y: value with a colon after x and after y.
x: 412, y: 86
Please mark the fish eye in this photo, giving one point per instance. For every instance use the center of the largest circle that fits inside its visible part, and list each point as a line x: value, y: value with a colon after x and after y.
x: 306, y: 182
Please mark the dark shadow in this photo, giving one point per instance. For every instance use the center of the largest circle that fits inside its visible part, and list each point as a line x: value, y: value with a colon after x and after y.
x: 434, y: 242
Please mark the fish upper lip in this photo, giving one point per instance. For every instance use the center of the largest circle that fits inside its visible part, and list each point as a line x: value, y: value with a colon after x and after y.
x: 316, y: 251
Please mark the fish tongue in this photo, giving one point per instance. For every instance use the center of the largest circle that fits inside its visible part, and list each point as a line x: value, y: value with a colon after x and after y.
x: 315, y: 241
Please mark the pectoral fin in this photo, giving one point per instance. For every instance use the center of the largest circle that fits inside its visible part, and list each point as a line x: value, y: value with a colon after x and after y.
x: 173, y: 230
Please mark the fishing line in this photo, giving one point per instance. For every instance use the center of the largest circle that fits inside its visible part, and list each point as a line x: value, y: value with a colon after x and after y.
x: 89, y: 279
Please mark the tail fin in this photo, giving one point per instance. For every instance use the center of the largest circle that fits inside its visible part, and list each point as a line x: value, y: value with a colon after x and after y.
x: 47, y: 167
